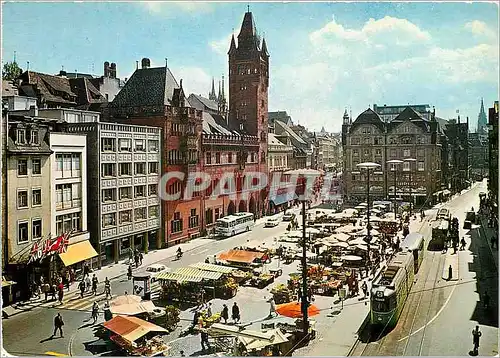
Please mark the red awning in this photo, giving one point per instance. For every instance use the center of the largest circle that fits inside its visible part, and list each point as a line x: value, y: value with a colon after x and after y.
x: 241, y: 256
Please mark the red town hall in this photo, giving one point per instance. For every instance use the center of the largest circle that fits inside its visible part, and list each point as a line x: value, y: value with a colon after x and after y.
x: 232, y: 142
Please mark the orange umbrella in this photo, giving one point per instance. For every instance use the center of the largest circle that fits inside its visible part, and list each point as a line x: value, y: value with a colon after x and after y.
x: 294, y: 310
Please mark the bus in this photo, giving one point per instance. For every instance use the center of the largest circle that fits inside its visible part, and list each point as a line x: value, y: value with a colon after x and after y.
x: 390, y: 290
x: 234, y: 224
x: 414, y: 243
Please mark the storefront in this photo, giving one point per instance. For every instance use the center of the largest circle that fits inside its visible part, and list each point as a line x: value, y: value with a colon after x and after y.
x: 77, y: 255
x: 281, y: 202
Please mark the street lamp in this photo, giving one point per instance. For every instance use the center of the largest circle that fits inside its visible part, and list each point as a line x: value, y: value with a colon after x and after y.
x: 410, y: 160
x: 368, y: 166
x: 394, y: 163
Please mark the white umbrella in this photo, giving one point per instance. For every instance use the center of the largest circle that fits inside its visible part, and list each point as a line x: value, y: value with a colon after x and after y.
x: 364, y: 247
x: 358, y: 241
x: 351, y: 258
x: 341, y: 244
x: 340, y: 236
x: 363, y: 204
x: 347, y: 229
x: 364, y: 232
x: 359, y: 207
x: 297, y: 234
x: 311, y: 230
x: 376, y: 211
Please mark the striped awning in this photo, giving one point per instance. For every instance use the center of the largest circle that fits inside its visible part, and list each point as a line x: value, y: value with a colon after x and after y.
x: 212, y: 267
x: 194, y: 272
x: 170, y: 276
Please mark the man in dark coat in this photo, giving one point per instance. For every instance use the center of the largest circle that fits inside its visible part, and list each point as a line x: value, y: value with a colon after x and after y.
x: 476, y: 334
x: 225, y: 313
x: 236, y: 313
x: 58, y: 324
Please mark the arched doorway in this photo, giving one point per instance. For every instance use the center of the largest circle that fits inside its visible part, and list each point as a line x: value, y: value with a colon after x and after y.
x: 242, y: 207
x: 251, y: 206
x: 231, y: 208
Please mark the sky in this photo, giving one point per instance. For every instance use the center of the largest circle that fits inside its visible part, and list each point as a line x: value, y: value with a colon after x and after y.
x: 325, y: 57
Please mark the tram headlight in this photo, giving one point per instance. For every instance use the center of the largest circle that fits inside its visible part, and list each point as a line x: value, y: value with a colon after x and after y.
x: 380, y: 294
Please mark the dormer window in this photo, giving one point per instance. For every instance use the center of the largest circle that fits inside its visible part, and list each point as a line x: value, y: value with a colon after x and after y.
x: 34, y: 136
x: 21, y: 136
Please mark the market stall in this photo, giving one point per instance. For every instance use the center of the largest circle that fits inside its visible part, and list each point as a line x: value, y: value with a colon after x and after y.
x: 243, y: 259
x: 136, y: 337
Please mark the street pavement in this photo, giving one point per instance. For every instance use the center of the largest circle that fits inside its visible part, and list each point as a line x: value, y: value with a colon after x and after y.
x: 439, y: 315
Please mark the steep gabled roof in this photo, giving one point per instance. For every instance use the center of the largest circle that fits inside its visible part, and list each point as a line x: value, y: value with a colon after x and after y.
x: 410, y: 115
x: 292, y: 133
x: 216, y: 124
x: 51, y: 88
x: 148, y: 87
x: 208, y: 103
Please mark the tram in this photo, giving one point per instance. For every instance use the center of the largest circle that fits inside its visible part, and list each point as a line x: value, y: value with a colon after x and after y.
x: 390, y: 290
x: 414, y: 243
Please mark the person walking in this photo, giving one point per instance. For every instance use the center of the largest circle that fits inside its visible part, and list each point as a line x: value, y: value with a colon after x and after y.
x: 209, y: 309
x: 107, y: 288
x: 94, y: 284
x: 462, y: 244
x: 81, y: 286
x: 236, y: 313
x: 140, y: 258
x: 58, y: 325
x: 272, y: 307
x: 225, y: 313
x: 476, y: 334
x: 364, y: 288
x: 95, y: 311
x: 204, y: 340
x: 88, y: 283
x: 129, y: 272
x: 136, y: 259
x: 450, y: 273
x: 60, y: 293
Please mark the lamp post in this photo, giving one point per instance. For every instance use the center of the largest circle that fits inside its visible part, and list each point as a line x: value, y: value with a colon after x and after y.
x: 394, y: 163
x: 368, y: 166
x: 410, y: 160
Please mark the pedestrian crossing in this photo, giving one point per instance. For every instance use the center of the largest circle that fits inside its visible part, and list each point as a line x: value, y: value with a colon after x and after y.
x: 73, y: 300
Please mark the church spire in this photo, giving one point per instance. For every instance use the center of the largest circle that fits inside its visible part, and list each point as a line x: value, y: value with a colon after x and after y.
x: 248, y: 39
x: 212, y: 95
x: 481, y: 119
x: 264, y: 51
x: 232, y: 48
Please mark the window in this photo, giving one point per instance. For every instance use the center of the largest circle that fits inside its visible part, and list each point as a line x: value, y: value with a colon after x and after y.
x: 406, y: 129
x: 36, y: 166
x: 109, y: 220
x: 21, y: 136
x: 22, y: 232
x: 34, y: 136
x: 22, y: 167
x: 139, y: 145
x: 140, y: 214
x: 406, y: 152
x: 68, y: 222
x: 125, y: 168
x: 153, y: 211
x: 153, y: 168
x: 139, y: 191
x: 367, y: 140
x: 153, y: 145
x: 378, y: 152
x: 393, y: 153
x: 22, y: 199
x: 108, y: 195
x: 108, y: 144
x: 406, y: 166
x: 420, y: 153
x: 355, y: 141
x: 36, y: 197
x: 36, y: 229
x: 140, y: 168
x: 152, y: 189
x: 366, y: 152
x: 355, y: 152
x: 217, y: 158
x: 405, y: 140
x: 125, y: 145
x: 208, y: 158
x: 420, y: 166
x: 176, y: 223
x: 125, y: 193
x: 209, y: 216
x: 193, y: 219
x: 125, y: 216
x: 108, y: 170
x: 230, y: 157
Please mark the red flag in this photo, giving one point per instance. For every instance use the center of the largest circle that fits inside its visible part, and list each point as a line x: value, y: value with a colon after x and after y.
x: 46, y: 247
x: 65, y: 242
x: 57, y: 244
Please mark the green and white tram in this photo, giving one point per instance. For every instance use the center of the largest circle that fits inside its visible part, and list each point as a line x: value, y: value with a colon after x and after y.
x: 390, y: 290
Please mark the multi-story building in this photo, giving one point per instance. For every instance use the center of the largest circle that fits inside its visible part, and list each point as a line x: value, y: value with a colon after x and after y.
x: 388, y: 113
x: 328, y: 151
x: 300, y: 147
x: 478, y: 147
x: 493, y: 155
x: 279, y: 154
x: 124, y: 168
x: 408, y: 137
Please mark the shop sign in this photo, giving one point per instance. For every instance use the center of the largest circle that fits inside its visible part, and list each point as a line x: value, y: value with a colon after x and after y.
x: 40, y: 250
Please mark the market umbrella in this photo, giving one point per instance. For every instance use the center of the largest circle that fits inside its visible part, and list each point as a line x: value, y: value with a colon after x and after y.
x: 297, y: 234
x: 357, y: 241
x: 341, y: 244
x: 312, y: 230
x: 125, y: 300
x: 364, y: 232
x: 351, y: 258
x: 363, y: 204
x: 340, y: 237
x: 350, y: 212
x: 347, y: 229
x: 375, y: 211
x: 359, y: 207
x: 294, y: 310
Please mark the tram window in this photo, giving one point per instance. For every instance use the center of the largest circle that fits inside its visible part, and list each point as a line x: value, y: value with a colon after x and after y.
x: 380, y: 306
x: 392, y: 302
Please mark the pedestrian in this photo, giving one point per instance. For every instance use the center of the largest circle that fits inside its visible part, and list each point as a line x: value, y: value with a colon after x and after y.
x: 195, y: 318
x: 204, y: 340
x: 476, y: 334
x: 364, y: 288
x: 202, y: 298
x: 58, y: 325
x: 95, y: 311
x: 81, y: 286
x: 107, y: 288
x: 136, y: 259
x: 140, y: 258
x: 88, y: 283
x: 492, y: 242
x: 236, y: 313
x: 299, y: 294
x: 450, y: 272
x: 209, y: 309
x: 462, y: 244
x: 86, y: 270
x: 129, y: 272
x: 225, y: 313
x: 207, y: 260
x: 94, y: 284
x: 272, y: 307
x: 486, y: 300
x: 60, y: 293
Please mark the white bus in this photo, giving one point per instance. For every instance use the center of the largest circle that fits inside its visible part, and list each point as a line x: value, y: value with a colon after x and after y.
x: 234, y: 224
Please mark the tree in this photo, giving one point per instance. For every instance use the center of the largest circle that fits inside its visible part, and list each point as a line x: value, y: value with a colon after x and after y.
x: 11, y: 71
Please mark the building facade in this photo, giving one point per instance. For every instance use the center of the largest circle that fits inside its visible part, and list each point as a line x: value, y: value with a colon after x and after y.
x: 493, y: 154
x: 408, y: 137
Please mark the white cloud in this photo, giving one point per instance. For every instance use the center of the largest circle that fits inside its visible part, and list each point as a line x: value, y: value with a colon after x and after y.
x: 221, y: 46
x: 375, y: 33
x: 194, y: 80
x: 171, y: 8
x: 480, y: 28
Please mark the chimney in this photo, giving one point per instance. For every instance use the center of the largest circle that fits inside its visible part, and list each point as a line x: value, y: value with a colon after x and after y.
x: 145, y: 63
x: 106, y: 69
x: 112, y: 70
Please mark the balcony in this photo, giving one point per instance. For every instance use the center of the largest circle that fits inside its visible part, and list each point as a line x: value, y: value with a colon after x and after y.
x: 232, y: 140
x: 70, y: 204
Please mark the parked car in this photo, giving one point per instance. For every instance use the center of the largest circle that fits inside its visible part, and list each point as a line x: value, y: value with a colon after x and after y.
x: 288, y: 217
x: 272, y: 222
x: 155, y: 269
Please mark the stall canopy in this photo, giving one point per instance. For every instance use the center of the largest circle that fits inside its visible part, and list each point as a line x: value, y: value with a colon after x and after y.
x: 283, y: 198
x: 251, y: 339
x: 259, y: 343
x: 131, y: 328
x: 132, y: 309
x: 212, y: 267
x: 78, y: 252
x: 193, y: 272
x: 125, y: 300
x: 242, y: 256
